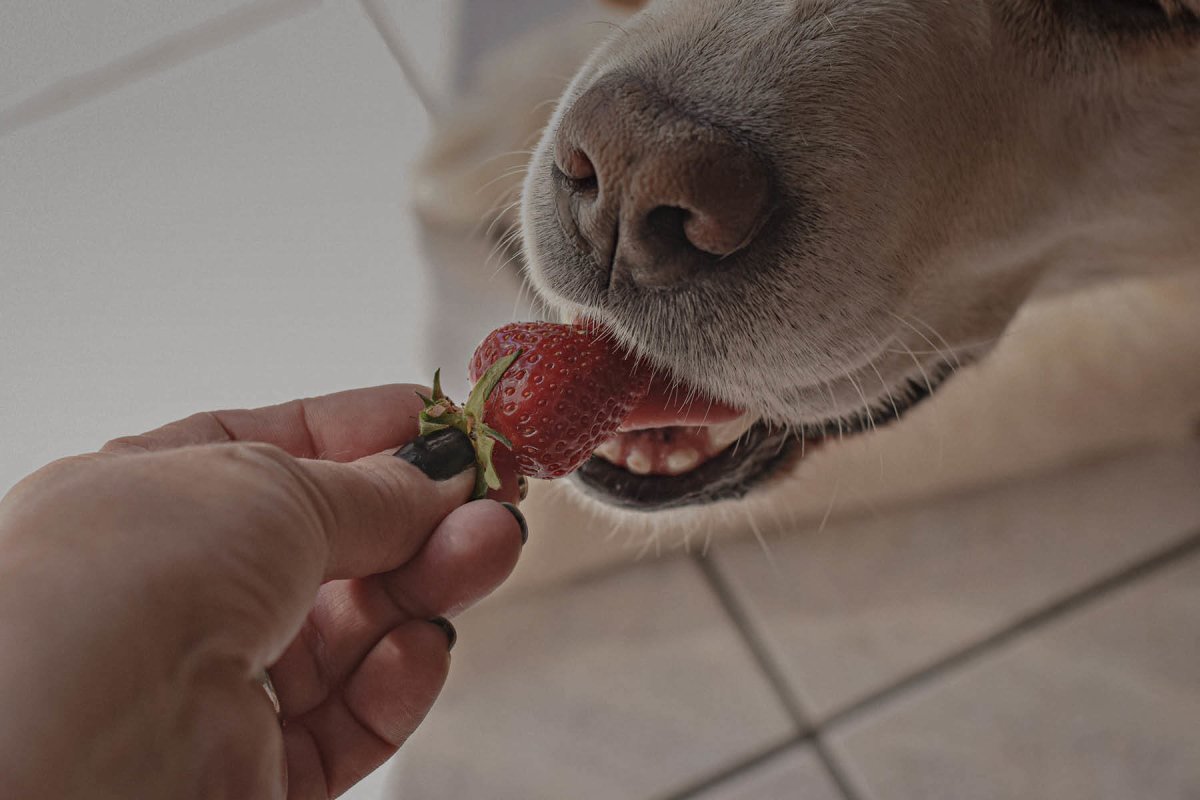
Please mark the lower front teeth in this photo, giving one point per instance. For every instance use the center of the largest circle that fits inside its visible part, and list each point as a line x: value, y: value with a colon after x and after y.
x: 609, y: 451
x: 725, y: 434
x: 638, y: 463
x: 686, y: 453
x: 682, y: 461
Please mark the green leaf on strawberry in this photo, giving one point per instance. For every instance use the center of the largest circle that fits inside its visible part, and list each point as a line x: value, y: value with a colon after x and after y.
x: 441, y: 413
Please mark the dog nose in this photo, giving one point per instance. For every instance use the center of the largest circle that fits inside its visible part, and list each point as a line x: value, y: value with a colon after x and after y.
x: 657, y: 194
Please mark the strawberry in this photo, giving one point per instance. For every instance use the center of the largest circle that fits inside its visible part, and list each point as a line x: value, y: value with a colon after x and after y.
x: 550, y: 393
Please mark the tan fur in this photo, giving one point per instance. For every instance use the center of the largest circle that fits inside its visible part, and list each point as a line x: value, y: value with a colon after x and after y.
x: 1085, y: 232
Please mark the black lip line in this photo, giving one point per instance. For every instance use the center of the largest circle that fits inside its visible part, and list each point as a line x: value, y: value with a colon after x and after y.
x: 620, y: 487
x: 755, y: 455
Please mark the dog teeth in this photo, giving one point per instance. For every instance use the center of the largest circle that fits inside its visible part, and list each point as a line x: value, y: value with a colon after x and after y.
x: 725, y: 434
x: 681, y: 461
x: 610, y: 451
x: 638, y: 462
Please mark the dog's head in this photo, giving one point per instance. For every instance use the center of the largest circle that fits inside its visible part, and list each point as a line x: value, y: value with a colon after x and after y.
x: 814, y: 210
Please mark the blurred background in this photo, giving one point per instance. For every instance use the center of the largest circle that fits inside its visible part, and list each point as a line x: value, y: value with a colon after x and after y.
x: 206, y: 204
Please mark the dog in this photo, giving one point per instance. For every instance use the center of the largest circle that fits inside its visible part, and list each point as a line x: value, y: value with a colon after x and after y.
x: 923, y: 244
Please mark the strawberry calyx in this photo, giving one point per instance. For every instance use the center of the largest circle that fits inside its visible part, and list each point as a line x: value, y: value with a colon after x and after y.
x: 441, y: 413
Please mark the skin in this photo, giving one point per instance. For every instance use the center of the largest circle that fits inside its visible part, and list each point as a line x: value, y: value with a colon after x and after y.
x: 144, y: 588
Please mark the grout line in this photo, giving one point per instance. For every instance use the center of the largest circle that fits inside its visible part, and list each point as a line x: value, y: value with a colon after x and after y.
x: 739, y: 615
x: 173, y: 50
x: 814, y: 735
x: 1057, y: 610
x: 388, y: 30
x: 734, y: 770
x: 758, y: 649
x: 833, y: 767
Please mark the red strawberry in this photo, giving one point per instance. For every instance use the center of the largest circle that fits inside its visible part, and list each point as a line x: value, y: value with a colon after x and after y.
x: 552, y: 393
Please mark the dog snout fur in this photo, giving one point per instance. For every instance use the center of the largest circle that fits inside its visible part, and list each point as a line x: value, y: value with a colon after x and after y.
x: 931, y: 167
x: 654, y: 193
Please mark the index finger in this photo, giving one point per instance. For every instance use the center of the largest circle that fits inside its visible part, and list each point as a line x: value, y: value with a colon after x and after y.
x: 345, y: 426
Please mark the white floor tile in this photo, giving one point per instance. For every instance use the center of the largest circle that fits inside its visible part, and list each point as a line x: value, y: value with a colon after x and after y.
x: 233, y: 231
x: 486, y: 23
x: 374, y: 786
x: 429, y: 32
x: 795, y: 775
x: 627, y: 686
x: 850, y: 610
x: 44, y: 41
x: 1102, y: 705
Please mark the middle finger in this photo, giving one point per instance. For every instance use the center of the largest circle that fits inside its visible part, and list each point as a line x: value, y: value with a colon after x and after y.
x: 469, y: 554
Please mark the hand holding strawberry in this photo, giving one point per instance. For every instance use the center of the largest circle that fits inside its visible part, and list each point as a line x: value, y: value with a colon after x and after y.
x: 549, y: 393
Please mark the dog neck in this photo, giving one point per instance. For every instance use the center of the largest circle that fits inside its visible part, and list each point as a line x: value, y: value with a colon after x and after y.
x: 1131, y: 212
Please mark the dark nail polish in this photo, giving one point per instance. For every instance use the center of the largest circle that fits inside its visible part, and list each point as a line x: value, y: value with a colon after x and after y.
x: 516, y: 512
x: 440, y: 455
x: 448, y: 629
x: 523, y: 487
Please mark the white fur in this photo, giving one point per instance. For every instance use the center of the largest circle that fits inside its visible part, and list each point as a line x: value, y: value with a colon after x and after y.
x: 1085, y: 233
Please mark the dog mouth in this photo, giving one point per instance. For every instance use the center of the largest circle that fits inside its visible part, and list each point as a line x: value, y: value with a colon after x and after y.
x: 669, y: 456
x: 684, y: 465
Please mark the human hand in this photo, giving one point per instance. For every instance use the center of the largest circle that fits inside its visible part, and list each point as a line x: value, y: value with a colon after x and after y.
x: 145, y: 588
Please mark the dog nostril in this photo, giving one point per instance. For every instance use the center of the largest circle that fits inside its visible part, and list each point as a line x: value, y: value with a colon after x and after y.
x: 577, y: 166
x: 656, y: 195
x: 669, y: 224
x: 579, y: 170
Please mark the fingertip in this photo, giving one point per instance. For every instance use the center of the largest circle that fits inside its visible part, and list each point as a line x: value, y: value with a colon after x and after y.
x: 446, y: 627
x: 471, y: 553
x: 503, y: 517
x: 521, y: 521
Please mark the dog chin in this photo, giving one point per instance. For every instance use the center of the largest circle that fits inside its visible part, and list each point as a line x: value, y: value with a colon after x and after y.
x: 676, y: 466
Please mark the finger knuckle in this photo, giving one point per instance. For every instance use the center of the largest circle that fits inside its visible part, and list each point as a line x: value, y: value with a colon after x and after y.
x: 391, y: 491
x: 273, y: 482
x: 128, y: 445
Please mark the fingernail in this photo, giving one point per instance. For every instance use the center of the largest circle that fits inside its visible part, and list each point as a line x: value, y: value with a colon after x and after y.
x: 448, y: 629
x: 523, y: 486
x: 440, y: 455
x: 516, y: 512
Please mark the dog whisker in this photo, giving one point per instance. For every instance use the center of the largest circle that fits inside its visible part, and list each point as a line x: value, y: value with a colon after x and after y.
x: 762, y: 542
x: 508, y: 173
x: 926, y: 339
x: 528, y: 153
x: 609, y: 23
x: 499, y: 269
x: 939, y: 337
x: 929, y: 388
x: 888, y: 389
x: 870, y: 416
x: 833, y: 496
x: 499, y: 217
x: 833, y: 404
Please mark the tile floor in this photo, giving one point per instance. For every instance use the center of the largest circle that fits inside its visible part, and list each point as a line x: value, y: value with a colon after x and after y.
x: 1036, y: 639
x: 193, y: 194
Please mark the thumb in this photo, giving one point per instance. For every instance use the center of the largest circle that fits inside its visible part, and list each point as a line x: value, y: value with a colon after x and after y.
x: 328, y: 521
x: 377, y: 512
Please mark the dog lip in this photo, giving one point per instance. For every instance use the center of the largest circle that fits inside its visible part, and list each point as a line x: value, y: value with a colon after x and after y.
x: 762, y: 452
x: 729, y: 475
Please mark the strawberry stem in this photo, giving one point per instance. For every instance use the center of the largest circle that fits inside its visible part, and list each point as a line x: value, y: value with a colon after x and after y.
x: 441, y: 413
